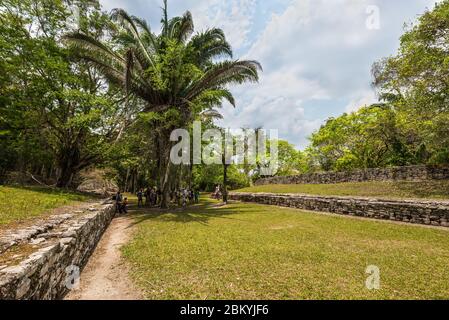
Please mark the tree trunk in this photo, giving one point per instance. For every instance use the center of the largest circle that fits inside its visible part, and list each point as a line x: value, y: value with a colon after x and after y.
x: 65, y: 177
x: 225, y: 183
x: 165, y: 188
x: 133, y: 181
x: 126, y: 180
x: 66, y: 165
x: 190, y: 174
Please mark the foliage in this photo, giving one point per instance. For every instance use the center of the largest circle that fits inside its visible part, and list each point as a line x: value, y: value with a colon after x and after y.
x: 58, y: 116
x: 368, y: 138
x: 416, y: 83
x: 177, y: 74
x: 106, y: 91
x: 411, y: 126
x: 206, y: 177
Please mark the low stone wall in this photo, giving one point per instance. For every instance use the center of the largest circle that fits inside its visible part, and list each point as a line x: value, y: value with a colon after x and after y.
x: 411, y: 211
x: 53, y: 255
x: 412, y: 173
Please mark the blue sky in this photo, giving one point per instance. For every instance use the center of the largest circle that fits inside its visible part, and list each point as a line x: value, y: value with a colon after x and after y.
x: 316, y: 54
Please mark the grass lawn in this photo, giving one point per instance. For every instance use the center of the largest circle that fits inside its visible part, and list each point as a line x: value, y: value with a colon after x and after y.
x: 20, y: 204
x: 400, y: 189
x: 251, y: 251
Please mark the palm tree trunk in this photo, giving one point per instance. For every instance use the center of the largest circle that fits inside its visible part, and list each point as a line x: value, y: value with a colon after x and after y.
x: 165, y: 188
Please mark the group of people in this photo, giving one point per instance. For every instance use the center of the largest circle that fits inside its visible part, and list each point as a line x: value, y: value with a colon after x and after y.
x: 153, y: 197
x: 185, y: 196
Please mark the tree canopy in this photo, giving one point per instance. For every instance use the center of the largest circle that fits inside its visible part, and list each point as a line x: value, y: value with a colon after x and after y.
x: 80, y: 88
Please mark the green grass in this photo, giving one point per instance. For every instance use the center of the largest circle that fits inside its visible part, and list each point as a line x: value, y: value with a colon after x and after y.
x: 250, y: 251
x: 21, y: 204
x: 401, y: 189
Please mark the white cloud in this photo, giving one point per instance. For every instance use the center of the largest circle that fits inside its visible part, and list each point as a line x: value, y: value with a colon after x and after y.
x: 317, y: 50
x: 316, y: 54
x: 235, y: 17
x: 361, y: 100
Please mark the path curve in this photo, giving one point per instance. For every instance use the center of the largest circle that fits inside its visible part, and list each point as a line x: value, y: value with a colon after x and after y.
x: 105, y: 276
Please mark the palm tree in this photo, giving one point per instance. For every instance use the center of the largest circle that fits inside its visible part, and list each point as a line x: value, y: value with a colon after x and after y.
x: 174, y: 73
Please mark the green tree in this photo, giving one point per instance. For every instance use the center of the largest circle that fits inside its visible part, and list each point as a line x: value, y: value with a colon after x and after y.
x: 368, y: 138
x: 175, y: 74
x: 59, y: 112
x: 416, y: 82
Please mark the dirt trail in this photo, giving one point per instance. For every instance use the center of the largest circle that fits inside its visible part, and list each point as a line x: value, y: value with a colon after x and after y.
x: 105, y: 276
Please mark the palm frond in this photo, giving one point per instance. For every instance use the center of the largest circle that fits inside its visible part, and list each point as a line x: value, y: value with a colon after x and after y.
x: 224, y: 73
x: 185, y: 27
x: 147, y: 35
x: 128, y: 22
x: 211, y: 114
x: 210, y: 44
x: 88, y: 43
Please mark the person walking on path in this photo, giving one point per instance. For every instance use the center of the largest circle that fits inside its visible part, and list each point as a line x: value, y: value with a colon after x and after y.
x: 124, y: 206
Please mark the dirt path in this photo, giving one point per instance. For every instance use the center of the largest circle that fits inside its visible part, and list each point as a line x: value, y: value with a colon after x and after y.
x: 105, y: 276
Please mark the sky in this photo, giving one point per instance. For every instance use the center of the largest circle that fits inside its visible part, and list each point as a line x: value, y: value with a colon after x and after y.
x: 316, y: 54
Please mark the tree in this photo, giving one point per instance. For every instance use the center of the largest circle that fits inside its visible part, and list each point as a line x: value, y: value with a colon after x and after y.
x: 289, y: 159
x: 416, y: 82
x: 64, y: 113
x: 175, y: 74
x: 368, y: 138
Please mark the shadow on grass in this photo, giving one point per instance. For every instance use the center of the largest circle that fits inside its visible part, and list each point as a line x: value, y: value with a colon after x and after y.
x: 200, y: 213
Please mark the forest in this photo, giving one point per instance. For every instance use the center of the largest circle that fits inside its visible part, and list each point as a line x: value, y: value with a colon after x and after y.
x: 83, y: 89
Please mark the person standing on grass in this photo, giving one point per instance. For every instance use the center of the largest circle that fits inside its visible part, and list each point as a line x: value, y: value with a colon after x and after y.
x: 191, y: 195
x: 118, y: 201
x: 140, y: 198
x: 197, y: 196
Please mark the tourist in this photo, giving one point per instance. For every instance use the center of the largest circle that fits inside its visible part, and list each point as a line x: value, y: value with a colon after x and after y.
x: 197, y: 196
x: 217, y: 192
x: 140, y: 198
x: 191, y: 195
x: 118, y: 201
x: 124, y: 206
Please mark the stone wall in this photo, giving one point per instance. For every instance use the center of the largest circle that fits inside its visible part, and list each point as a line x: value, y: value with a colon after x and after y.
x: 412, y: 173
x: 411, y: 211
x: 49, y: 255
